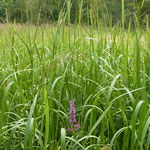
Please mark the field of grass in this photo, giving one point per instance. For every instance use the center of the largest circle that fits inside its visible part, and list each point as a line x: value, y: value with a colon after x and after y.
x: 105, y: 70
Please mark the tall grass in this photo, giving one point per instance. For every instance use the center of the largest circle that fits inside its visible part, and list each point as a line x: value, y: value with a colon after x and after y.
x: 43, y: 67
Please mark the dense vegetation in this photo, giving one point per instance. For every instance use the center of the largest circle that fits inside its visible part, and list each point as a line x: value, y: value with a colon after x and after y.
x: 49, y: 10
x: 103, y: 67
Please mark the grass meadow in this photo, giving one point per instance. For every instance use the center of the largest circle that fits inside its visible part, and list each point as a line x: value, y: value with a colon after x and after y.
x: 106, y: 70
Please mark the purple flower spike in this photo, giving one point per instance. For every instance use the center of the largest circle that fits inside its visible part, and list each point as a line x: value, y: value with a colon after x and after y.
x: 69, y: 129
x: 74, y: 127
x: 77, y: 127
x: 72, y: 112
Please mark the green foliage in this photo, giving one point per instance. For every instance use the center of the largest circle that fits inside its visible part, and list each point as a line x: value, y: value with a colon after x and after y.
x: 43, y: 67
x: 48, y: 10
x: 106, y: 70
x: 3, y: 7
x: 114, y: 9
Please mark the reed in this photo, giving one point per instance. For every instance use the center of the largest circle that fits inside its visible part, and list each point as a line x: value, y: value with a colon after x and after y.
x: 43, y: 67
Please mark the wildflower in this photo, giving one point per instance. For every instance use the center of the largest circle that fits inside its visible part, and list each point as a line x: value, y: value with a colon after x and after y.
x: 77, y: 127
x: 72, y: 112
x: 74, y: 127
